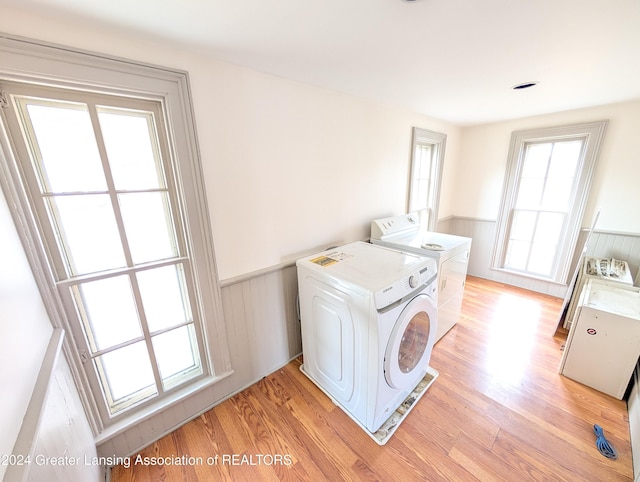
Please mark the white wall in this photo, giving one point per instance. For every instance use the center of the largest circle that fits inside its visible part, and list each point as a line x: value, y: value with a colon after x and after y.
x: 288, y: 167
x: 291, y: 167
x: 25, y: 330
x: 64, y: 434
x: 615, y: 190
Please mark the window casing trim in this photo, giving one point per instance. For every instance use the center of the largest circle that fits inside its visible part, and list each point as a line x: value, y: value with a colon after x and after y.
x: 29, y: 61
x: 437, y: 140
x: 593, y: 134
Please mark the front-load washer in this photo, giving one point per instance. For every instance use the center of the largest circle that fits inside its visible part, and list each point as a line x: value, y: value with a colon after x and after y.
x: 369, y: 318
x: 406, y: 233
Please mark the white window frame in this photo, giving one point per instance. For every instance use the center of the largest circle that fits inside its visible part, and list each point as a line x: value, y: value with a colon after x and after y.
x: 427, y: 207
x: 592, y: 134
x: 27, y: 61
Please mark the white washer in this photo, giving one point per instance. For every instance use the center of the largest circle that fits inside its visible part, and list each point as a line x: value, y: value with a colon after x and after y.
x: 406, y: 234
x: 369, y: 318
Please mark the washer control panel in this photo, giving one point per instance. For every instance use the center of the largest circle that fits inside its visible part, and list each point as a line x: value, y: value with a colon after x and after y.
x: 407, y: 285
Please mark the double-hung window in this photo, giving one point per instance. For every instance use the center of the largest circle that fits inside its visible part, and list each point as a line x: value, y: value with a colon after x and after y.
x: 109, y: 184
x: 427, y: 159
x: 548, y: 177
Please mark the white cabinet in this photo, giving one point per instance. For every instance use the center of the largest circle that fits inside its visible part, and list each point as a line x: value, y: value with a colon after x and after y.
x: 451, y: 252
x: 612, y: 270
x: 452, y: 273
x: 603, y: 345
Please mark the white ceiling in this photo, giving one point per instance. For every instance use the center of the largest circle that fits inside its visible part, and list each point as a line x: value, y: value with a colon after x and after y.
x: 455, y: 60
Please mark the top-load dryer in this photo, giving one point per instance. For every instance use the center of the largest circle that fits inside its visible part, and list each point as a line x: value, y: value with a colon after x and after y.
x: 368, y: 318
x: 405, y: 233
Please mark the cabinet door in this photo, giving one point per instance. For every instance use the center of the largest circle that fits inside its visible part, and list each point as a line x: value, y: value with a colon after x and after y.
x: 452, y: 276
x: 602, y: 351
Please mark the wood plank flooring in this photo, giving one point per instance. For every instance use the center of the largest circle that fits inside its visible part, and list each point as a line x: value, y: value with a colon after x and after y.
x: 498, y: 411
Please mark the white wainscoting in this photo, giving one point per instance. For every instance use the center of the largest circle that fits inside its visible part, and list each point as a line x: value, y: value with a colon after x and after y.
x: 263, y: 329
x: 616, y: 245
x: 482, y: 232
x: 602, y: 245
x: 55, y: 428
x: 262, y: 321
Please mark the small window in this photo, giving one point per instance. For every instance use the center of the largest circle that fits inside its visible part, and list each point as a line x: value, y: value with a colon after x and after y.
x: 426, y: 172
x: 547, y: 185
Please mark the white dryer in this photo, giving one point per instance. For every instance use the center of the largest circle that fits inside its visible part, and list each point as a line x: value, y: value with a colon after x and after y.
x: 369, y: 320
x: 405, y: 233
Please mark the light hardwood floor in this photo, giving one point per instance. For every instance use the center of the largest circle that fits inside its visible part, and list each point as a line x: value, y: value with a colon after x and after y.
x: 498, y: 411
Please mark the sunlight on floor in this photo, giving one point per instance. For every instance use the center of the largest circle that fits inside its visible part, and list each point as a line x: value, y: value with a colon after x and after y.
x: 511, y: 338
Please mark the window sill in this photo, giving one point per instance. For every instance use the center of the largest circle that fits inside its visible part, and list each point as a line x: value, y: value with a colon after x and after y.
x: 127, y: 421
x: 529, y: 276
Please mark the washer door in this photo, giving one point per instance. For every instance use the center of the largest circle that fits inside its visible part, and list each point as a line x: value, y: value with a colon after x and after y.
x: 410, y: 344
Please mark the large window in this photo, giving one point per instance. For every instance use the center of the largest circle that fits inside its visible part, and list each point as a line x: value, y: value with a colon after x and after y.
x: 548, y: 179
x: 106, y: 181
x: 426, y: 172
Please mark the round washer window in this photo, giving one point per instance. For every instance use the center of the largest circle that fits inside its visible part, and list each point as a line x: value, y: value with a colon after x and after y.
x: 409, y: 347
x: 414, y: 342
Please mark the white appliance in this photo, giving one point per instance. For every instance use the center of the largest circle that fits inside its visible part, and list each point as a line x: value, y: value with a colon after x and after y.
x: 405, y: 233
x: 369, y: 318
x: 612, y: 270
x: 603, y: 344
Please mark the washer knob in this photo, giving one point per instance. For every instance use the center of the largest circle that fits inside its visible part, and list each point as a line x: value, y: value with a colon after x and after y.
x: 413, y: 281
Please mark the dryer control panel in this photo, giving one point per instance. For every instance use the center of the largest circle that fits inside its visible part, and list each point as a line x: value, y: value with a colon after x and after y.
x: 395, y: 225
x: 407, y: 285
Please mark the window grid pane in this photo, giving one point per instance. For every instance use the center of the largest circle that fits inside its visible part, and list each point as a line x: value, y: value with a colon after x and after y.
x: 115, y: 213
x: 87, y: 232
x: 108, y: 323
x: 165, y: 297
x: 131, y: 145
x: 424, y: 157
x: 426, y: 169
x: 517, y: 254
x: 126, y: 375
x: 177, y: 355
x: 148, y: 224
x: 543, y: 195
x: 66, y: 154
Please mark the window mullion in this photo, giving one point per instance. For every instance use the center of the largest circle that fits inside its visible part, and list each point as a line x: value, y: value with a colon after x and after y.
x: 546, y: 175
x: 113, y: 195
x: 146, y: 332
x: 531, y: 240
x: 120, y: 271
x: 124, y: 344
